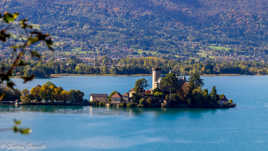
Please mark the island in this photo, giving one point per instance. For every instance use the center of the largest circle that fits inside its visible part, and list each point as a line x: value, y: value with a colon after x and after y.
x: 169, y: 91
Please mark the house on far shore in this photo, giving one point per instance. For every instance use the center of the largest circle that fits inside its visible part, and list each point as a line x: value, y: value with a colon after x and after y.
x: 103, y: 98
x: 116, y: 98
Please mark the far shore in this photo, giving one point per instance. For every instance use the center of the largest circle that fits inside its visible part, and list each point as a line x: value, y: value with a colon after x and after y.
x: 205, y: 75
x: 66, y: 74
x: 212, y: 75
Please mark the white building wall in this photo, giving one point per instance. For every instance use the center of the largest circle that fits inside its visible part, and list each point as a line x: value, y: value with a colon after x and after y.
x: 155, y: 78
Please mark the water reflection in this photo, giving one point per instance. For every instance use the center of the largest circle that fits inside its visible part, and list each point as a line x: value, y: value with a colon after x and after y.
x: 109, y: 111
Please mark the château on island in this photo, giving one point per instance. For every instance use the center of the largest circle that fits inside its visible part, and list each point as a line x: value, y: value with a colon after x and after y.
x: 170, y: 91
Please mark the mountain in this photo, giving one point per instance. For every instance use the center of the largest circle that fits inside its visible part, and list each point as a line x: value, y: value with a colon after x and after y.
x: 170, y: 28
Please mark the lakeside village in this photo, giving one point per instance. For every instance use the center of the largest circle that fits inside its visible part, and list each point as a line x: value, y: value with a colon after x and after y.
x: 170, y: 91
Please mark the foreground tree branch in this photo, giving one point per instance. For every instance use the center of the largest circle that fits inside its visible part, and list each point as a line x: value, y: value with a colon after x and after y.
x: 22, y: 39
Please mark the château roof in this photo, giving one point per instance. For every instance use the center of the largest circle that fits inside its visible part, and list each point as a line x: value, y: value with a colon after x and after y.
x: 116, y: 95
x: 126, y: 94
x: 99, y: 97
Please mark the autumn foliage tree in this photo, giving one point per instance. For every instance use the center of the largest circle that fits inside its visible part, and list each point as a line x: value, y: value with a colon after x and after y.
x: 50, y: 93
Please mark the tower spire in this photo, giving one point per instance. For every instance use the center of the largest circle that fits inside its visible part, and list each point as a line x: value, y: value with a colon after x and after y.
x: 156, y: 72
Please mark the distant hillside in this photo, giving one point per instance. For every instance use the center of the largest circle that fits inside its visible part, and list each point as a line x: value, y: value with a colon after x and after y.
x: 170, y: 28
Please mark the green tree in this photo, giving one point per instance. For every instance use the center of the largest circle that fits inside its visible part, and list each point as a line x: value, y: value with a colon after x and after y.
x: 145, y: 102
x: 197, y: 96
x: 57, y: 94
x: 140, y: 85
x: 46, y: 93
x: 65, y: 95
x: 195, y: 80
x: 158, y: 93
x: 170, y: 83
x: 36, y: 92
x: 213, y: 94
x: 76, y: 96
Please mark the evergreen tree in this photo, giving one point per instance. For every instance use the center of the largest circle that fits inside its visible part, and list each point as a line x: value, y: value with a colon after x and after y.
x: 169, y: 83
x: 140, y: 85
x: 213, y: 94
x: 196, y: 81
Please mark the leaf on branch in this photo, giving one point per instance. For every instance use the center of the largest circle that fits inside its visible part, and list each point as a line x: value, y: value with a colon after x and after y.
x: 22, y: 63
x: 50, y: 47
x: 27, y: 78
x: 9, y: 18
x: 10, y: 84
x: 15, y: 129
x: 15, y: 15
x: 15, y: 48
x: 32, y: 40
x: 44, y: 37
x: 2, y: 69
x: 4, y: 77
x: 49, y: 43
x: 25, y: 131
x: 35, y: 54
x: 4, y: 36
x: 17, y: 122
x: 2, y: 96
x: 24, y: 24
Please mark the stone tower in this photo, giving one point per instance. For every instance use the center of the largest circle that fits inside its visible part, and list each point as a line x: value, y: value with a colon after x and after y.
x: 156, y: 73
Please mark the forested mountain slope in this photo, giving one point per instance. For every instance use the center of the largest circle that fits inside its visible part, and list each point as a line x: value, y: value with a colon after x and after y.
x: 171, y: 28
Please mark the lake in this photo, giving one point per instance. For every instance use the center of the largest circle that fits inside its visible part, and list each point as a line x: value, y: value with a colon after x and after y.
x: 244, y: 128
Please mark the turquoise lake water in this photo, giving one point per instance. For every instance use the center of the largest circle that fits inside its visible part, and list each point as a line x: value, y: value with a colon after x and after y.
x: 244, y: 128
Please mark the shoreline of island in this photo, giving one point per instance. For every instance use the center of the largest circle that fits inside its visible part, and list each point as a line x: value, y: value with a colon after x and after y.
x: 167, y: 91
x: 113, y: 106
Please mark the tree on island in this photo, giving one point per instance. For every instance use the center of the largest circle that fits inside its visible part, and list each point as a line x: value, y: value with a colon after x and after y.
x: 140, y: 85
x: 50, y: 93
x: 25, y: 96
x: 195, y: 80
x: 213, y: 94
x: 170, y: 83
